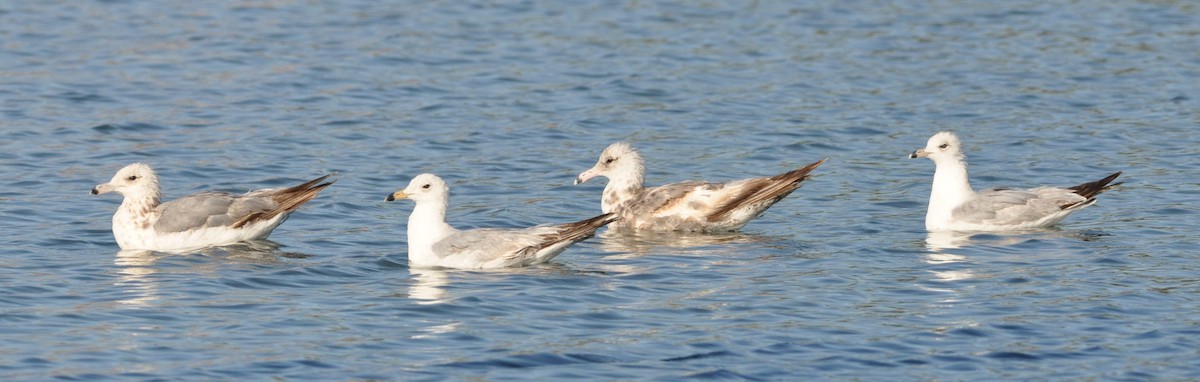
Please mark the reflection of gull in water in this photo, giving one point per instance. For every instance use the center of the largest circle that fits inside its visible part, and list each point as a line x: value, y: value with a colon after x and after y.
x: 431, y: 331
x: 953, y: 275
x: 135, y: 275
x: 255, y: 251
x: 638, y: 243
x: 940, y: 241
x: 716, y: 249
x: 944, y: 240
x: 138, y: 267
x: 428, y: 285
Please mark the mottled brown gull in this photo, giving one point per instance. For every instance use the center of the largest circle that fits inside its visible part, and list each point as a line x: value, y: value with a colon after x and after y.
x: 198, y: 220
x: 434, y: 243
x: 697, y: 206
x: 954, y: 205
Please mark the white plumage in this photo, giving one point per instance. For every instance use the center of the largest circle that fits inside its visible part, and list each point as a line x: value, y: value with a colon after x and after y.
x: 198, y: 220
x: 434, y: 243
x: 954, y: 205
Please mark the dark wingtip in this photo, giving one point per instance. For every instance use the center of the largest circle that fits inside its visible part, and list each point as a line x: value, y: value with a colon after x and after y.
x: 95, y: 191
x: 390, y: 197
x: 818, y: 163
x: 318, y: 188
x: 800, y: 174
x: 335, y: 176
x: 608, y: 218
x: 309, y: 185
x: 1091, y: 189
x: 289, y: 200
x: 599, y: 220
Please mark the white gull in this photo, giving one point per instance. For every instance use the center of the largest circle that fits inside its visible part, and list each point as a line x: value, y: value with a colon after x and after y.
x: 198, y: 220
x: 696, y: 206
x: 954, y: 205
x: 434, y: 243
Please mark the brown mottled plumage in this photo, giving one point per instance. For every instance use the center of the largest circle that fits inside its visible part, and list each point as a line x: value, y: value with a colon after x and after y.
x: 684, y: 206
x: 765, y: 190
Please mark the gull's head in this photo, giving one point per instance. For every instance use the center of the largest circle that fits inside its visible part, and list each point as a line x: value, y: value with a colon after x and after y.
x: 618, y: 158
x: 941, y: 146
x: 423, y: 188
x: 134, y: 180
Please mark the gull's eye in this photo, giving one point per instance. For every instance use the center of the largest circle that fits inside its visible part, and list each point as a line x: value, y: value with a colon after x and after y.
x: 132, y: 178
x: 944, y: 145
x: 425, y: 186
x: 609, y: 160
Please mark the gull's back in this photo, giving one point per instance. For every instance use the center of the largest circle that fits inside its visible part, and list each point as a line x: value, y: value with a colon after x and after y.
x: 208, y: 210
x: 488, y: 247
x: 1031, y: 208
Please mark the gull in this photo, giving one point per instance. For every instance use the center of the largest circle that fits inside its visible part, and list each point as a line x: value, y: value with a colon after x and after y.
x: 434, y: 243
x: 696, y: 206
x: 954, y: 205
x: 198, y: 220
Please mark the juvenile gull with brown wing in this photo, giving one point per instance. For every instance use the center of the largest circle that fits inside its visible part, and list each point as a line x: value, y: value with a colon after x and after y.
x: 685, y: 206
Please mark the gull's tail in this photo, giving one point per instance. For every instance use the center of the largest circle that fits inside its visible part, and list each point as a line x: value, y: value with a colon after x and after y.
x: 765, y: 190
x: 288, y: 200
x: 578, y: 231
x: 564, y: 235
x: 1091, y: 189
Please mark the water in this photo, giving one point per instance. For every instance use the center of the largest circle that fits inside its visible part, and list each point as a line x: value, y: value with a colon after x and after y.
x: 510, y: 101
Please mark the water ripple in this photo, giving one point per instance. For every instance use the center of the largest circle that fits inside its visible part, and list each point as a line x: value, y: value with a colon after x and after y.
x: 509, y: 102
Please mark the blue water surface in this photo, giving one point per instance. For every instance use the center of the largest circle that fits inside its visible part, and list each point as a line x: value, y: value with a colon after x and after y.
x: 510, y: 100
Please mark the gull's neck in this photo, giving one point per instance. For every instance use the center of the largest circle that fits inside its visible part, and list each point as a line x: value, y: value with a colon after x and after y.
x: 426, y: 226
x: 137, y: 210
x: 951, y: 188
x: 623, y: 185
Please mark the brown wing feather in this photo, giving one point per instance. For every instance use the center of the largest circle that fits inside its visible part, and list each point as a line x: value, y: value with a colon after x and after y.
x: 287, y: 200
x: 774, y: 187
x: 570, y: 232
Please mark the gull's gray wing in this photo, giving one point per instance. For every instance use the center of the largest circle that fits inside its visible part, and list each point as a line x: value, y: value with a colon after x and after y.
x: 1002, y: 206
x: 209, y: 209
x: 487, y: 244
x: 491, y: 247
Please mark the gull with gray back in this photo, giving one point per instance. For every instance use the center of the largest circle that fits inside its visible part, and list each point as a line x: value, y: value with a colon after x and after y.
x: 954, y: 205
x: 434, y: 243
x: 198, y: 220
